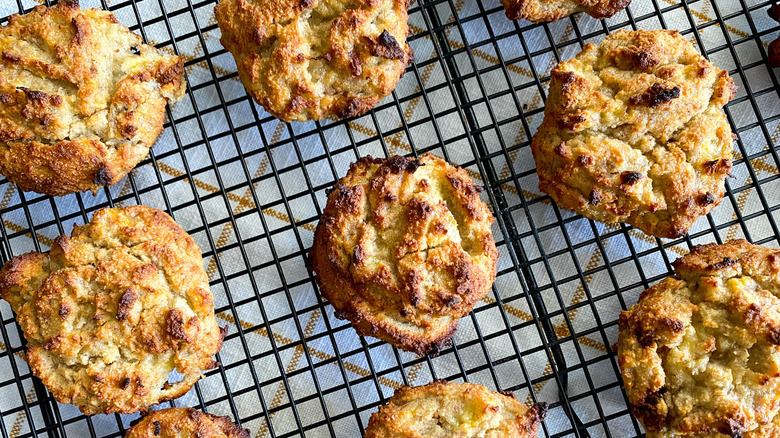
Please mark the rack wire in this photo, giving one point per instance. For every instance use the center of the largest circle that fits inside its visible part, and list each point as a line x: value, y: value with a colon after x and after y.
x: 250, y: 190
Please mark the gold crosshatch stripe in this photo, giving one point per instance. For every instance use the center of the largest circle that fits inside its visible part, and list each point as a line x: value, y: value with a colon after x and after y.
x: 48, y: 241
x: 741, y: 201
x: 170, y: 170
x: 760, y: 164
x: 592, y: 343
x: 561, y: 330
x: 243, y: 201
x: 703, y: 17
x: 539, y: 385
x: 514, y: 311
x: 283, y: 340
x: 280, y: 392
x: 492, y: 59
x: 228, y: 229
x: 9, y: 193
x: 579, y: 295
x: 21, y: 417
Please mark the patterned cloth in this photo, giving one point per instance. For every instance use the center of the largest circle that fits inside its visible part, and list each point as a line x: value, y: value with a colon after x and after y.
x: 288, y: 363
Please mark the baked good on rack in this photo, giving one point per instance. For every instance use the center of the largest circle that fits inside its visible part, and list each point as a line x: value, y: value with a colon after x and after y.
x: 700, y: 351
x: 774, y: 46
x: 441, y: 410
x: 634, y: 132
x: 553, y: 10
x: 82, y: 99
x: 185, y: 423
x: 404, y: 250
x: 113, y: 309
x: 313, y: 59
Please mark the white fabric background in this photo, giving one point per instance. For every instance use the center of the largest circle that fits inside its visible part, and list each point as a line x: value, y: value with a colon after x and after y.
x: 259, y: 144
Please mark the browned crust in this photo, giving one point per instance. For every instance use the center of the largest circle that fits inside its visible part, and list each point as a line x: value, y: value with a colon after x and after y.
x: 774, y: 53
x: 774, y: 47
x: 128, y: 288
x: 539, y: 11
x: 185, y: 422
x: 448, y: 404
x: 316, y: 59
x: 404, y: 250
x: 717, y: 316
x: 634, y: 132
x: 68, y: 121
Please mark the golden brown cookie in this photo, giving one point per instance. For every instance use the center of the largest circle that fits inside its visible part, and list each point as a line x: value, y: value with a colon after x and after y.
x: 404, y: 250
x: 185, y: 423
x: 700, y: 351
x: 634, y: 132
x: 82, y: 99
x: 553, y: 10
x: 113, y: 309
x: 443, y: 410
x: 311, y: 59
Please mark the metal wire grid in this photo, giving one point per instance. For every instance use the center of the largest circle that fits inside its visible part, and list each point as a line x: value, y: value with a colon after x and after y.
x: 479, y: 132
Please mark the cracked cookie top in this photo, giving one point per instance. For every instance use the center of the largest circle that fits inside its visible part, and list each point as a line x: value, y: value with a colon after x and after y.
x: 553, y: 10
x: 634, y: 132
x: 82, y: 99
x: 112, y: 310
x: 404, y: 249
x: 465, y: 410
x: 311, y: 59
x: 185, y: 423
x: 700, y: 351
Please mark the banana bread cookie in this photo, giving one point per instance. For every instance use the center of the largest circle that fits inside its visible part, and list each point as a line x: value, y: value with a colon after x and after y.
x: 185, y: 423
x: 553, y: 10
x: 442, y: 410
x: 312, y: 59
x: 634, y: 132
x: 82, y: 99
x: 404, y: 250
x: 700, y: 351
x: 113, y: 309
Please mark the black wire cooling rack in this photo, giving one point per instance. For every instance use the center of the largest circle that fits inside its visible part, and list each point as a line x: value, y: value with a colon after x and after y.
x: 250, y: 190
